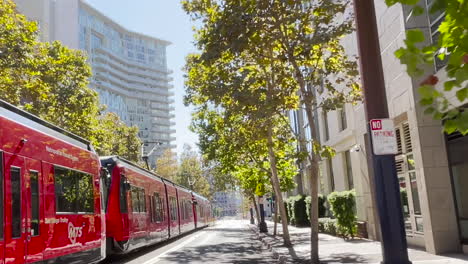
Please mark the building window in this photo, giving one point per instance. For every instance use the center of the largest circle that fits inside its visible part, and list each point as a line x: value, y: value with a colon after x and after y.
x: 96, y: 41
x: 325, y: 126
x: 407, y: 177
x: 343, y: 120
x: 74, y: 191
x: 435, y: 19
x: 349, y: 170
x: 330, y: 174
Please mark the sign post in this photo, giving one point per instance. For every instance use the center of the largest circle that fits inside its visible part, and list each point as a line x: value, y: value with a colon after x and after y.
x: 386, y: 186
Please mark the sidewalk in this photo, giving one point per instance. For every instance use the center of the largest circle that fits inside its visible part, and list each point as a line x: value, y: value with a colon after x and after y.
x: 337, y: 250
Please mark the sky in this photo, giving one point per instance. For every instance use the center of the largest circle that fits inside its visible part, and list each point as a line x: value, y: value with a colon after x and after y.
x: 163, y: 19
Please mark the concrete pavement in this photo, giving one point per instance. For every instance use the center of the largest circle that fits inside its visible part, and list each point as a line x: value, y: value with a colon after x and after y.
x: 228, y: 241
x: 337, y: 250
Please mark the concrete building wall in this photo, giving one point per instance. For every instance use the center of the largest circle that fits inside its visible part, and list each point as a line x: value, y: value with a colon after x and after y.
x: 439, y: 234
x: 423, y: 167
x: 65, y: 21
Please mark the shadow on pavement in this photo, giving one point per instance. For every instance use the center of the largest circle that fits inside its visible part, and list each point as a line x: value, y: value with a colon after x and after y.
x: 237, y: 252
x: 344, y: 258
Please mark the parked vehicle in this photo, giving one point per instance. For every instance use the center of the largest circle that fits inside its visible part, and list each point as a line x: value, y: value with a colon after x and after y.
x: 61, y: 203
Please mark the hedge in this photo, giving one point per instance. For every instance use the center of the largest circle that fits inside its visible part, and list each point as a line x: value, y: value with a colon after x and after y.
x: 342, y: 205
x: 321, y: 206
x: 297, y: 210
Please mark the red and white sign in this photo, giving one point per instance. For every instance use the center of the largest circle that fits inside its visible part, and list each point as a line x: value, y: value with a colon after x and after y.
x: 383, y: 137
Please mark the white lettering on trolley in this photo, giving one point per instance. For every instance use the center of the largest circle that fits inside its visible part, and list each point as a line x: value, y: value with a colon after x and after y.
x: 74, y: 232
x: 61, y: 153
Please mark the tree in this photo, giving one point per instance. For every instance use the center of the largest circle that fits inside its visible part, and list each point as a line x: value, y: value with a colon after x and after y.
x: 113, y: 137
x: 51, y: 81
x: 278, y: 49
x: 166, y: 165
x: 190, y: 173
x: 232, y: 121
x: 450, y: 46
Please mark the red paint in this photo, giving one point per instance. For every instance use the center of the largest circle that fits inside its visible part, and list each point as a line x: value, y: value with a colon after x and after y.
x: 128, y: 231
x: 34, y: 148
x: 376, y: 125
x: 24, y: 148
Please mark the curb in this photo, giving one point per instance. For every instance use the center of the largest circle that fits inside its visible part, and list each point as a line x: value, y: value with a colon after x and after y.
x: 280, y: 257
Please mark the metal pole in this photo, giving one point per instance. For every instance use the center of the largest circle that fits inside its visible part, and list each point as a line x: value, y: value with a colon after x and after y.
x: 394, y: 246
x: 262, y: 225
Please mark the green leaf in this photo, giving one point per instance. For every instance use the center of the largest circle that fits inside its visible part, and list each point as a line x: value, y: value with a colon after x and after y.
x: 399, y: 53
x: 426, y: 101
x: 429, y: 110
x: 426, y: 91
x: 448, y: 85
x: 462, y: 94
x: 414, y: 35
x: 417, y: 11
x: 450, y: 126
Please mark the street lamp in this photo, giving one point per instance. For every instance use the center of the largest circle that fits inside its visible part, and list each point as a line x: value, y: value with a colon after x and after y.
x: 146, y: 157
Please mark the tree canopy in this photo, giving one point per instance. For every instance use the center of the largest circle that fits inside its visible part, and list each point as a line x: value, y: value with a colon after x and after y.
x: 51, y: 81
x: 260, y: 59
x: 191, y: 174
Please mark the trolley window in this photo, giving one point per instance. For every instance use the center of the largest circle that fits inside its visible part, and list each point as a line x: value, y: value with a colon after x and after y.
x: 123, y: 195
x: 138, y: 200
x: 173, y: 208
x: 159, y: 214
x: 1, y: 195
x: 15, y: 174
x: 34, y: 178
x: 73, y: 191
x: 142, y: 199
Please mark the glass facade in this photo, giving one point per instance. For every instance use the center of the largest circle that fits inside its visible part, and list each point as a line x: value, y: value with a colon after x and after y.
x: 130, y: 75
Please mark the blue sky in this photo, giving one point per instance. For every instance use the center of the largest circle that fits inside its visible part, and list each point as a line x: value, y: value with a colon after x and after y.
x: 166, y: 20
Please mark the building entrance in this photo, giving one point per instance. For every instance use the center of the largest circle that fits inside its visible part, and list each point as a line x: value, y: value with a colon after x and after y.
x: 458, y: 158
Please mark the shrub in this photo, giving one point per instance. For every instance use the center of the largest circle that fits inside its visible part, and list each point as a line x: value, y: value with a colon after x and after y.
x: 329, y: 226
x: 297, y: 210
x: 321, y: 206
x: 342, y: 205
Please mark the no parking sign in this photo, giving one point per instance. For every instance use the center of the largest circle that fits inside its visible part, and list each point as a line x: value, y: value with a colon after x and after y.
x: 383, y: 137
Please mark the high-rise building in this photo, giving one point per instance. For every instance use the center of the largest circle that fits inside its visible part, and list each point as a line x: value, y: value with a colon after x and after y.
x: 129, y: 69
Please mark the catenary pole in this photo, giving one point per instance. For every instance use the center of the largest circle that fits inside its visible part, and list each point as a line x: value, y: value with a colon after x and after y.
x: 394, y: 246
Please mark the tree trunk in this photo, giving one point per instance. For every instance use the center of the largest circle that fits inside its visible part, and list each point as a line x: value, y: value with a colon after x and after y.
x: 276, y: 188
x: 257, y: 213
x: 314, y: 181
x: 276, y: 218
x: 314, y: 159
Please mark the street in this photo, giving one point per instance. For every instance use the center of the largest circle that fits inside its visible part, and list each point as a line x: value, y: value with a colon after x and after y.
x: 228, y: 241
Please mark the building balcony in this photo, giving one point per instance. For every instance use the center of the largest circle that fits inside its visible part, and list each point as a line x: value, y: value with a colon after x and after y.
x: 126, y: 93
x: 162, y: 122
x: 122, y: 70
x: 132, y: 64
x: 152, y: 87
